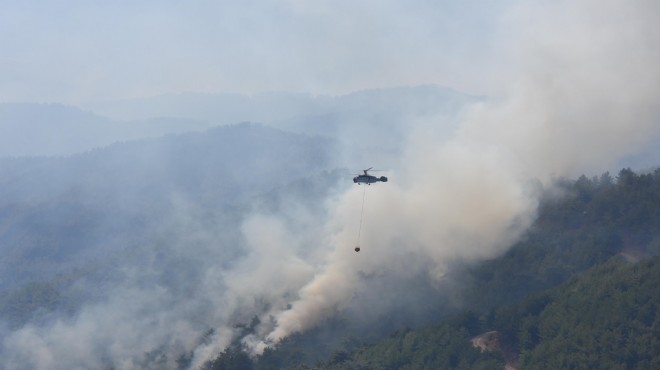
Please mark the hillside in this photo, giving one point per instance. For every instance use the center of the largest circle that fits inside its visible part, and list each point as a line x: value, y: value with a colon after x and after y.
x: 593, y: 220
x: 605, y: 318
x: 563, y: 297
x: 104, y: 220
x: 57, y: 214
x: 176, y: 240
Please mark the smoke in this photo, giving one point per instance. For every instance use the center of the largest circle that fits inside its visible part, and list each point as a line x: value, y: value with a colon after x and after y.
x: 586, y: 91
x: 452, y: 203
x: 586, y: 94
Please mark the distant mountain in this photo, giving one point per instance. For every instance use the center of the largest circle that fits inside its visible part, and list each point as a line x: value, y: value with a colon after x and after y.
x: 360, y: 118
x: 48, y: 129
x: 56, y: 213
x: 229, y: 160
x: 283, y: 107
x: 28, y: 129
x: 372, y: 123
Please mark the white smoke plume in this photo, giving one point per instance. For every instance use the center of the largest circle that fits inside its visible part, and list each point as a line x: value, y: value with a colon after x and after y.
x: 586, y: 92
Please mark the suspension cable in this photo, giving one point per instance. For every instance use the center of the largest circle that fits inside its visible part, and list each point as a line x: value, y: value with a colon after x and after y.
x: 364, y: 192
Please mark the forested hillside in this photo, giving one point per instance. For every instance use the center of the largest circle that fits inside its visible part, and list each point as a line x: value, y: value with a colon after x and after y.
x: 606, y: 318
x: 590, y: 221
x: 571, y: 294
x: 118, y: 233
x: 84, y: 218
x: 167, y: 207
x: 140, y: 243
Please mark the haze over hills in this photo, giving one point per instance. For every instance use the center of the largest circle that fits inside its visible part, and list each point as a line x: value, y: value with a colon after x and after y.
x: 151, y: 220
x: 287, y: 108
x: 30, y: 129
x: 113, y: 197
x: 55, y: 130
x: 181, y: 224
x: 143, y: 228
x: 187, y: 238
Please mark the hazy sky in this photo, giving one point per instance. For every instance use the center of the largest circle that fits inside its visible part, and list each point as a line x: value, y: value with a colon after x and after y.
x: 73, y: 51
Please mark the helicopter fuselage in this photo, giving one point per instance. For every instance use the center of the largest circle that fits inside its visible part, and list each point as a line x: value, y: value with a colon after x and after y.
x: 368, y: 179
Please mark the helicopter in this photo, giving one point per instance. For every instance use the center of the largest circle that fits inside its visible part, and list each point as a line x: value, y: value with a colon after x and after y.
x: 367, y: 178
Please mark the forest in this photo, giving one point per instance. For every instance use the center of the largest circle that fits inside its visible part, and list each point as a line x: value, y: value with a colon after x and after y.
x: 580, y: 290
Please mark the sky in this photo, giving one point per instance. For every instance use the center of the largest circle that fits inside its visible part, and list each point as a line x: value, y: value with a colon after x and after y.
x: 74, y: 51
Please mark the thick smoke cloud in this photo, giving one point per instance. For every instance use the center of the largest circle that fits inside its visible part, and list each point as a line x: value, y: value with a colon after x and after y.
x: 584, y: 93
